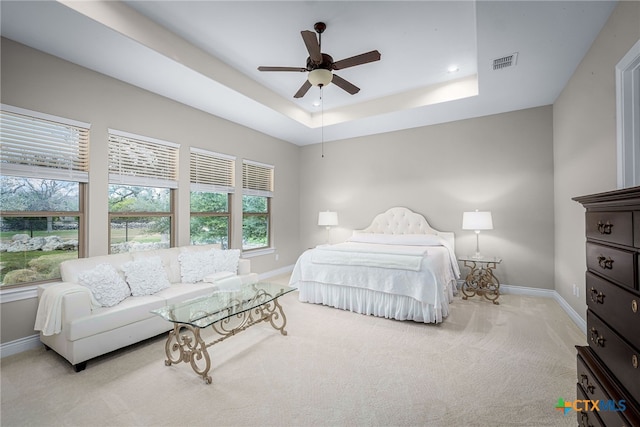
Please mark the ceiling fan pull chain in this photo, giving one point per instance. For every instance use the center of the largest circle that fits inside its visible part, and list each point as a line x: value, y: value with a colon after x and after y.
x: 322, y: 121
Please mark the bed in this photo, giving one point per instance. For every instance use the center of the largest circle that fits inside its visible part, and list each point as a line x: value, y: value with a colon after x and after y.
x: 399, y: 267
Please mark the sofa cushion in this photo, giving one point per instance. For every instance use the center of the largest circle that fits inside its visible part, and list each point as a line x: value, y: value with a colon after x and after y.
x: 226, y: 260
x: 131, y: 310
x: 169, y: 259
x: 106, y: 285
x: 195, y: 265
x: 146, y: 276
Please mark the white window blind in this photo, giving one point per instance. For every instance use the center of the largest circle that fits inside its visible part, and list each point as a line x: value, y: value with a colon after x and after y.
x: 211, y: 171
x: 257, y: 179
x: 37, y: 145
x: 142, y: 161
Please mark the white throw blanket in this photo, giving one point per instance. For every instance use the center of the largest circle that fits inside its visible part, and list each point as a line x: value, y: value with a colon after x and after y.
x: 366, y: 255
x: 49, y: 315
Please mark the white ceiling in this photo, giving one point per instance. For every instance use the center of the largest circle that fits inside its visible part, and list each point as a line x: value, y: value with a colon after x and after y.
x: 206, y: 53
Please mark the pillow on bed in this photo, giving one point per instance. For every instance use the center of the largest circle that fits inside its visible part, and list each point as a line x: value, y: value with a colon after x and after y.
x: 397, y: 239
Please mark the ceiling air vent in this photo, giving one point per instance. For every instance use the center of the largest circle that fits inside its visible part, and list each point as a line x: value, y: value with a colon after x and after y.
x: 505, y: 61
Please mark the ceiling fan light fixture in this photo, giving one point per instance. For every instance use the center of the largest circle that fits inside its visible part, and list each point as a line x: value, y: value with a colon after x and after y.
x: 320, y: 77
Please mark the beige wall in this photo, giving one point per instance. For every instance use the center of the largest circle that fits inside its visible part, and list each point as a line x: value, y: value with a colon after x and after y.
x: 502, y: 163
x: 584, y: 135
x: 40, y: 82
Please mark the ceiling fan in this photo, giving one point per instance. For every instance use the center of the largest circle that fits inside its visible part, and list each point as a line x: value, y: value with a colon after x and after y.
x: 320, y: 65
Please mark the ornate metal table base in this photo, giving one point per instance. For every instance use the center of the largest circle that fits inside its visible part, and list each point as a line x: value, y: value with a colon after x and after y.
x: 185, y: 344
x: 481, y: 281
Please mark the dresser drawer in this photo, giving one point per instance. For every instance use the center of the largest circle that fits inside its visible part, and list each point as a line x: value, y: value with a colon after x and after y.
x: 621, y: 359
x: 615, y: 264
x: 619, y: 307
x: 587, y: 418
x: 615, y: 227
x: 595, y: 386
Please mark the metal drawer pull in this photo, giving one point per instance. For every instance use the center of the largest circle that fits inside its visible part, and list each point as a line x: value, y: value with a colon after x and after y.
x: 634, y: 361
x: 590, y: 388
x: 604, y: 228
x: 634, y: 306
x: 584, y: 420
x: 597, y: 339
x: 605, y: 263
x: 597, y: 297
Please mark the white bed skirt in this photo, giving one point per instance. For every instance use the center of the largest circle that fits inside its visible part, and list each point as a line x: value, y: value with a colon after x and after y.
x: 380, y: 304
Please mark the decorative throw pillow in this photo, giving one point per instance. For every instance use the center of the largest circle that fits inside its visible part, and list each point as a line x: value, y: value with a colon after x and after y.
x: 106, y: 285
x: 146, y: 276
x: 226, y: 260
x: 195, y: 265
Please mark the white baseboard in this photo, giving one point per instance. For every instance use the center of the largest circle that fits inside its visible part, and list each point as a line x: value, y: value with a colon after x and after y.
x: 577, y: 319
x: 273, y: 273
x: 20, y: 345
x: 523, y: 290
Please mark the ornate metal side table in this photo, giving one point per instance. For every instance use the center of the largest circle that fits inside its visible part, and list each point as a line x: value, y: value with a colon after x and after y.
x: 481, y: 279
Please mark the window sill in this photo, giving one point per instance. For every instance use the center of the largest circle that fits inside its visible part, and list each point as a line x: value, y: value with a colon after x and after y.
x: 19, y: 293
x: 257, y: 252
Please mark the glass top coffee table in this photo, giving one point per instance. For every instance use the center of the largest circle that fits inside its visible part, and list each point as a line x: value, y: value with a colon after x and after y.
x: 227, y: 312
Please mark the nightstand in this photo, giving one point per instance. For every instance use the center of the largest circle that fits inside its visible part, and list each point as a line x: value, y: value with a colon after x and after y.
x: 481, y: 280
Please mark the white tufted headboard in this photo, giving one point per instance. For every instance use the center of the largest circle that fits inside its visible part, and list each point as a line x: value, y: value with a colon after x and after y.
x: 401, y: 220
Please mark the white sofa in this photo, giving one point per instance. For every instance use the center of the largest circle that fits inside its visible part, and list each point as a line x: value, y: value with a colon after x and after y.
x: 72, y: 324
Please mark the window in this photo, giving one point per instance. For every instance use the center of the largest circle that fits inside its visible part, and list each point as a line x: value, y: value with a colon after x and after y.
x: 45, y: 164
x: 257, y: 184
x: 143, y: 175
x: 212, y: 178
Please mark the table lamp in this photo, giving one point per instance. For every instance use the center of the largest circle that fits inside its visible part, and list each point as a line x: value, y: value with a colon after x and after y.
x: 477, y: 221
x: 328, y: 219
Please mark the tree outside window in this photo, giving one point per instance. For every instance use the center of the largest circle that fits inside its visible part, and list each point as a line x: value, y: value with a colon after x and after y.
x: 140, y: 218
x: 210, y: 218
x: 255, y: 222
x: 39, y: 228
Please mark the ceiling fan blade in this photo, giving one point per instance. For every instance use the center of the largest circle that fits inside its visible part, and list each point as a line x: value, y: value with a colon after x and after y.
x: 342, y: 83
x: 303, y: 89
x: 313, y: 47
x: 281, y: 69
x: 363, y: 58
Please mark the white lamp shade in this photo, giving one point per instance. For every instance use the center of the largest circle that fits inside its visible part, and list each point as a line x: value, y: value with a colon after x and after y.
x: 328, y: 218
x: 477, y: 221
x: 320, y: 77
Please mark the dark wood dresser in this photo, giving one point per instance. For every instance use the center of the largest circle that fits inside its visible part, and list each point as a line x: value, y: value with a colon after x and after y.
x: 609, y: 368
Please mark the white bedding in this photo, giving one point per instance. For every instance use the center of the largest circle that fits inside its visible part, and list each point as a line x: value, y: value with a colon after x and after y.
x: 404, y: 276
x: 426, y: 284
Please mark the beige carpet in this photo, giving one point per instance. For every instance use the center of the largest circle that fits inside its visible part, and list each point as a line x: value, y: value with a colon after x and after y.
x: 486, y: 365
